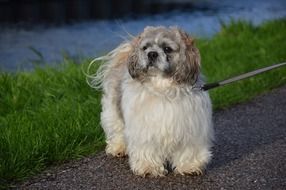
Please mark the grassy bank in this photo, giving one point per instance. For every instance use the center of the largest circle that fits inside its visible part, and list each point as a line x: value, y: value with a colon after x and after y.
x: 239, y: 48
x: 51, y: 115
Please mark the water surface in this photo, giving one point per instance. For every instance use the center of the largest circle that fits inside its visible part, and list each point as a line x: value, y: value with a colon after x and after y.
x: 19, y: 46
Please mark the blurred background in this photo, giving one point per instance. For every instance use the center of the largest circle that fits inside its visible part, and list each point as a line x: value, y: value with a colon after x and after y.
x: 48, y: 30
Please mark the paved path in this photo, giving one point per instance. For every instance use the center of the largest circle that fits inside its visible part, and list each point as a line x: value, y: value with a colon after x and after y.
x: 250, y: 153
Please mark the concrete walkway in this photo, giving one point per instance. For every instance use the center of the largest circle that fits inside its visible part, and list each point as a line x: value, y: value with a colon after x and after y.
x: 250, y: 153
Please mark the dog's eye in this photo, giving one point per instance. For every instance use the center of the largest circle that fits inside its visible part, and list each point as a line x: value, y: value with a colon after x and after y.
x: 144, y: 48
x: 168, y: 49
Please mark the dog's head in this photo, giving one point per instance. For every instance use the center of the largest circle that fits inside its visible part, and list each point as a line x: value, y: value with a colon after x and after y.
x: 168, y: 52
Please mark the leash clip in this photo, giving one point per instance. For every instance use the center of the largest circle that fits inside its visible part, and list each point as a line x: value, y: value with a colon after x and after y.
x: 197, y: 88
x: 206, y: 87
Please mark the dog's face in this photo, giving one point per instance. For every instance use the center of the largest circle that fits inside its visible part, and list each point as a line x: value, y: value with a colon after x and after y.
x: 167, y: 52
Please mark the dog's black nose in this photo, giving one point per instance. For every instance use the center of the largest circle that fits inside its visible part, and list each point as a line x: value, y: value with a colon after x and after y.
x: 152, y: 55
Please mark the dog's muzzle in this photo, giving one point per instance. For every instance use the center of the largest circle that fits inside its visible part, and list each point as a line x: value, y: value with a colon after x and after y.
x: 152, y: 56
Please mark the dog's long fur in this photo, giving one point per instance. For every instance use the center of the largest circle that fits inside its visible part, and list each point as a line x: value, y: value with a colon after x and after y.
x: 149, y: 108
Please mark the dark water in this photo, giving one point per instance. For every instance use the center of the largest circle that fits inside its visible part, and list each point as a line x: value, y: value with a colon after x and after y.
x: 21, y: 46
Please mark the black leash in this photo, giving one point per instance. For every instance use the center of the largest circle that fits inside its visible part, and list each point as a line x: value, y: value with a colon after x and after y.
x: 209, y: 86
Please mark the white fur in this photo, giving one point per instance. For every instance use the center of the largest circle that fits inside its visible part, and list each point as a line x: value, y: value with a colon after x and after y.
x: 155, y: 121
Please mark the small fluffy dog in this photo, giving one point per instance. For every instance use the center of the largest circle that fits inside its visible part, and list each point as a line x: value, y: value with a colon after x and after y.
x: 150, y: 110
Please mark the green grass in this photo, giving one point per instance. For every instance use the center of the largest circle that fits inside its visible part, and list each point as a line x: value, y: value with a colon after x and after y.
x: 51, y: 115
x: 239, y: 48
x: 46, y: 116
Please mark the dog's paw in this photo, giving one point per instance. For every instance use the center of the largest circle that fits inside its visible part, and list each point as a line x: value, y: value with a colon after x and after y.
x: 145, y: 170
x: 116, y: 149
x: 188, y: 170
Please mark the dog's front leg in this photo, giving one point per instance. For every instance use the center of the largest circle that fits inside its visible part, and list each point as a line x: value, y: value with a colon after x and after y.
x: 191, y: 159
x: 145, y: 160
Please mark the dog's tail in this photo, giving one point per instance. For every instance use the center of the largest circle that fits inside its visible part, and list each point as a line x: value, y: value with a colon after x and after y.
x: 106, y: 62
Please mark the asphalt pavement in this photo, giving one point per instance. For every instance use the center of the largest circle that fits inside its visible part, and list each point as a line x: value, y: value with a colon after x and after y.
x: 249, y: 153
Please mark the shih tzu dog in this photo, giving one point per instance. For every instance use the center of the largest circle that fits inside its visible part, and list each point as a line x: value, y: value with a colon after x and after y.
x: 150, y: 109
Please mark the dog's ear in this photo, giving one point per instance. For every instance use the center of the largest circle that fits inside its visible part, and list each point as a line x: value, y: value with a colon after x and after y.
x: 132, y: 62
x: 188, y: 72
